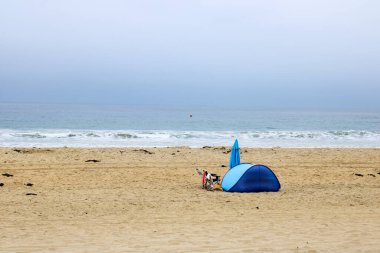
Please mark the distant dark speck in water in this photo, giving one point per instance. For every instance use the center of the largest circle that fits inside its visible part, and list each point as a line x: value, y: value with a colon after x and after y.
x: 191, y: 115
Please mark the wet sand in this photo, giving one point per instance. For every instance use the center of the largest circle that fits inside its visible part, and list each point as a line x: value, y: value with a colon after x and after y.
x: 150, y: 200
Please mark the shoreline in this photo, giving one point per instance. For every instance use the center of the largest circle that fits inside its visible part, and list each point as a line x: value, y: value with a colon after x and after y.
x: 196, y: 138
x: 165, y: 147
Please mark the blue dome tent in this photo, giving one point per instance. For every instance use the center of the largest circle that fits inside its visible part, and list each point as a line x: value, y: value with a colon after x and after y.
x: 248, y: 177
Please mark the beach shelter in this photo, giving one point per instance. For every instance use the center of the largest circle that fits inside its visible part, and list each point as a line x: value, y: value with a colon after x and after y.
x: 235, y: 155
x: 247, y: 177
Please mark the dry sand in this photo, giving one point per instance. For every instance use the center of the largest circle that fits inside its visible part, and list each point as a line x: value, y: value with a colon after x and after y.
x: 152, y: 202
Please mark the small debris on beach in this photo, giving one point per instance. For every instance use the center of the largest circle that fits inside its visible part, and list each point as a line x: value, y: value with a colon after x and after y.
x: 227, y: 151
x: 31, y: 194
x: 93, y: 160
x: 173, y: 153
x: 34, y: 150
x: 257, y: 207
x: 206, y: 147
x: 358, y: 174
x: 372, y: 175
x: 223, y: 166
x: 144, y: 151
x: 7, y: 175
x: 29, y: 184
x: 1, y: 184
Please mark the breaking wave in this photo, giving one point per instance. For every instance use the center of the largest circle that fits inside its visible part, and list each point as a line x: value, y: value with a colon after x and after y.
x: 161, y: 138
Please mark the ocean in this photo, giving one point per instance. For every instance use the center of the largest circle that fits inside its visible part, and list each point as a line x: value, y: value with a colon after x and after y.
x: 43, y: 125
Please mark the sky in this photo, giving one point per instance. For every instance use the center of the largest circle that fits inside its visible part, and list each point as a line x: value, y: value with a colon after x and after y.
x: 292, y: 54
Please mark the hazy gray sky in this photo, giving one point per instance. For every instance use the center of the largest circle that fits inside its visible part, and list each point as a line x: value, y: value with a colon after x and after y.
x: 262, y: 54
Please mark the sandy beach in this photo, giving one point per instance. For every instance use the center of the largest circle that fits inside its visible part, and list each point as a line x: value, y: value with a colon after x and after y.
x: 150, y: 200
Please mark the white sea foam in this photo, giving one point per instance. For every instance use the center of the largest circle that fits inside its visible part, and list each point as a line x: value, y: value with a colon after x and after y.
x: 162, y: 138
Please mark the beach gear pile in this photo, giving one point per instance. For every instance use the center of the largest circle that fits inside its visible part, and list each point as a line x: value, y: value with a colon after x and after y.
x: 242, y: 177
x: 210, y: 181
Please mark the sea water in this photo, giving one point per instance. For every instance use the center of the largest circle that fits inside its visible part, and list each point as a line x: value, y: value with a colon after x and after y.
x: 42, y: 125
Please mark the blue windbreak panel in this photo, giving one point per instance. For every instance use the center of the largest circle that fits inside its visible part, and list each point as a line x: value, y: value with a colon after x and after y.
x: 235, y: 155
x: 258, y: 178
x: 233, y: 175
